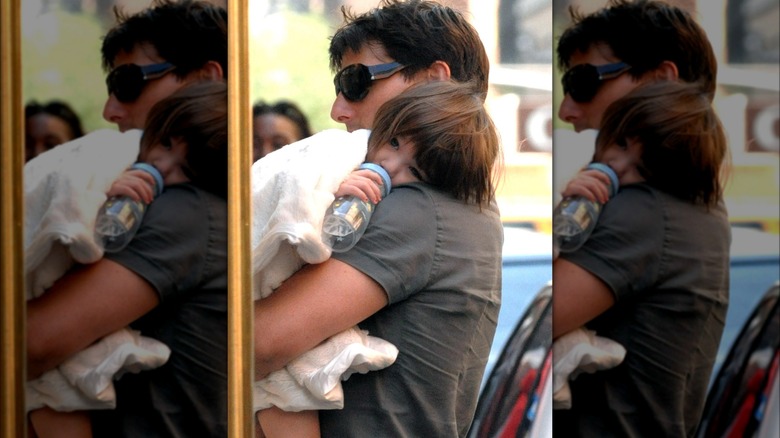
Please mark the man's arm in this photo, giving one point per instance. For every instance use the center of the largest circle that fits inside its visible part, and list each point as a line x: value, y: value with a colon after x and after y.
x: 315, y: 303
x: 578, y: 296
x: 86, y: 304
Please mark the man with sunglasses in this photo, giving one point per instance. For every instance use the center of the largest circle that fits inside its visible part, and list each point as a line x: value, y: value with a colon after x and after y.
x: 432, y: 388
x: 604, y: 56
x: 378, y: 56
x: 150, y: 55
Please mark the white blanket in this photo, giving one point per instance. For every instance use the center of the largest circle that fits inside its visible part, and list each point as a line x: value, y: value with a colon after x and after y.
x: 580, y: 351
x: 63, y: 191
x: 291, y: 190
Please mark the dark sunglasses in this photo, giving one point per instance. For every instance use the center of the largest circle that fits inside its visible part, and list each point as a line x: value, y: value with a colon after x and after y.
x: 127, y: 81
x: 353, y: 81
x: 582, y: 81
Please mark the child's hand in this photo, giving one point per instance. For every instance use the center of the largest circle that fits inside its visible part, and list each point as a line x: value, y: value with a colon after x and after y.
x: 135, y: 183
x: 591, y: 184
x: 362, y: 183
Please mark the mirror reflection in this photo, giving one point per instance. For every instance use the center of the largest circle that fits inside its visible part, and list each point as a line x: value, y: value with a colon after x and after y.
x: 125, y: 197
x: 346, y: 81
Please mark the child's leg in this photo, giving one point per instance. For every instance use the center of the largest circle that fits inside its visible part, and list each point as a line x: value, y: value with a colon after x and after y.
x: 274, y: 422
x: 46, y: 422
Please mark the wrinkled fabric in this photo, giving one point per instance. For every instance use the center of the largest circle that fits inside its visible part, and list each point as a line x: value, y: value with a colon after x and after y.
x: 63, y: 190
x: 580, y: 351
x: 292, y: 188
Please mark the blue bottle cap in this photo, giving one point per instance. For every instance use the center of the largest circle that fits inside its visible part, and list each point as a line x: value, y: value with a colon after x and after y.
x: 613, y: 188
x: 386, y: 184
x: 154, y: 172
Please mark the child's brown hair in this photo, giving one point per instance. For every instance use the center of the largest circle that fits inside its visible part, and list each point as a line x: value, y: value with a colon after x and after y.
x: 198, y: 113
x: 684, y: 146
x: 455, y: 140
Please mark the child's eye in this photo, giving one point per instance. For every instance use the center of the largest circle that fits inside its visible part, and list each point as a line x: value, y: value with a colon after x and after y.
x: 166, y: 143
x: 622, y: 143
x: 394, y: 143
x: 416, y: 173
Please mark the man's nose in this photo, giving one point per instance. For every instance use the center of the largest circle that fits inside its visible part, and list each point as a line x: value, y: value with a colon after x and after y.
x: 569, y: 111
x: 341, y: 111
x: 113, y: 110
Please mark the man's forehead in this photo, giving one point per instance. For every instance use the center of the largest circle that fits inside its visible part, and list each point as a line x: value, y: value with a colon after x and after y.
x: 371, y: 49
x: 599, y: 50
x: 140, y: 53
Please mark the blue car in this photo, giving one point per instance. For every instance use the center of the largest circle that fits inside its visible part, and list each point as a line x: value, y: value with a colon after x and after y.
x: 527, y: 267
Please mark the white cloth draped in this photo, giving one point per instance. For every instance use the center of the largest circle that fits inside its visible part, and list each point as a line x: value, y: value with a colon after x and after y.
x: 580, y: 351
x: 291, y: 190
x: 63, y: 191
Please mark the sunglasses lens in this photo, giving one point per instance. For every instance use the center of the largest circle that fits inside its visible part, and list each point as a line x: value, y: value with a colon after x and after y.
x: 581, y: 82
x: 353, y: 81
x: 126, y: 82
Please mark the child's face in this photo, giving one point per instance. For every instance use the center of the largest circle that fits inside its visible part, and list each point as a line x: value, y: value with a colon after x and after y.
x: 624, y: 160
x: 169, y: 160
x: 397, y: 158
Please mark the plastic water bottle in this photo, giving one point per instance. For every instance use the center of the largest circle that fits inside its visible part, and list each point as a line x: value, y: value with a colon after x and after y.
x: 119, y: 218
x: 348, y: 216
x: 575, y: 217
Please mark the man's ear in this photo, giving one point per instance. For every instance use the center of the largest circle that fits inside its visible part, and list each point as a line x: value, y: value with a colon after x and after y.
x: 667, y: 70
x: 439, y: 71
x: 212, y: 70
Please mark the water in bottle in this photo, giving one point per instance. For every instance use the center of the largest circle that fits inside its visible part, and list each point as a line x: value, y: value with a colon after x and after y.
x: 575, y: 217
x: 348, y: 216
x: 120, y: 216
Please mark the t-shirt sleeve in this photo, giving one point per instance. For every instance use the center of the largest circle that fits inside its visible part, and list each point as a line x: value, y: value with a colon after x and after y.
x: 398, y: 247
x: 627, y: 244
x: 169, y: 250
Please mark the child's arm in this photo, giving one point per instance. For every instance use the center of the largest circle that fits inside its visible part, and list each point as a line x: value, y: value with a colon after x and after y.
x: 135, y: 183
x: 591, y: 184
x: 362, y: 183
x: 274, y: 422
x: 46, y: 422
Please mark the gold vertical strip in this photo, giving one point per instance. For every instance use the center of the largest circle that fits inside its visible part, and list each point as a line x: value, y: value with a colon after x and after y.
x: 240, y: 314
x: 12, y: 420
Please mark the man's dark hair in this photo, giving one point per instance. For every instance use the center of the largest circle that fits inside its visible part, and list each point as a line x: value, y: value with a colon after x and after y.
x: 643, y: 34
x: 416, y: 33
x: 186, y: 33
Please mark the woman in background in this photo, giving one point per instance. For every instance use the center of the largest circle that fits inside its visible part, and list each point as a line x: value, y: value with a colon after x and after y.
x: 277, y: 125
x: 48, y: 125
